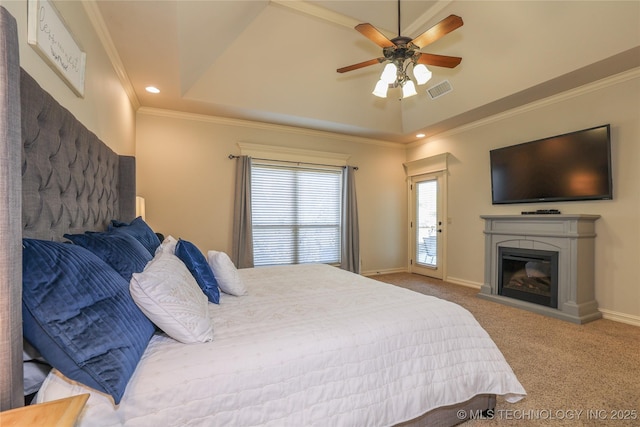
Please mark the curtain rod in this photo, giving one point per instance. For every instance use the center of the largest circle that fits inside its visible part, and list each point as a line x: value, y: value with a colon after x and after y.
x: 231, y: 157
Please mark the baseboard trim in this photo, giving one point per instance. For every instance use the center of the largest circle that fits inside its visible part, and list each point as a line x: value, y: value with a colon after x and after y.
x: 629, y: 319
x: 620, y: 317
x: 386, y: 271
x: 616, y: 316
x: 463, y: 282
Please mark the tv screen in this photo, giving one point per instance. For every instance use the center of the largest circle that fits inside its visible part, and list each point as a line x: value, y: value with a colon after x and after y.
x: 574, y: 166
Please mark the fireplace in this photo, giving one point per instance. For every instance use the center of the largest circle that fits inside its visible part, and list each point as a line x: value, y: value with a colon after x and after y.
x: 528, y: 275
x: 542, y: 263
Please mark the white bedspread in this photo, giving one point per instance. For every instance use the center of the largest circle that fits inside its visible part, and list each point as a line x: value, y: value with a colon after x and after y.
x: 311, y: 345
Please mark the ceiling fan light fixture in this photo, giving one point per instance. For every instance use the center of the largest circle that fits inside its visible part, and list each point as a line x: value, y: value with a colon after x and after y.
x: 381, y: 89
x: 401, y: 53
x: 389, y: 74
x: 421, y: 73
x: 408, y: 89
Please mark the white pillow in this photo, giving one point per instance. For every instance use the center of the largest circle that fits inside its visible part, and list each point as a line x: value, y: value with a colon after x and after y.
x: 229, y: 280
x: 169, y: 296
x: 167, y: 245
x: 35, y: 368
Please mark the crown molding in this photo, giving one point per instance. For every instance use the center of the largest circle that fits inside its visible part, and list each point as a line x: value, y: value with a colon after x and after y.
x: 266, y: 126
x: 97, y: 21
x: 317, y: 12
x: 330, y: 16
x: 536, y: 105
x: 418, y: 25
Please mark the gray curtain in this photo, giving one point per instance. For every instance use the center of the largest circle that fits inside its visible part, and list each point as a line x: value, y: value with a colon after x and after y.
x: 11, y: 388
x: 350, y: 230
x: 242, y: 250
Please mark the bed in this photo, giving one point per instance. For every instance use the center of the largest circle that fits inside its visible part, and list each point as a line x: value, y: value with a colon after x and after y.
x: 304, y: 345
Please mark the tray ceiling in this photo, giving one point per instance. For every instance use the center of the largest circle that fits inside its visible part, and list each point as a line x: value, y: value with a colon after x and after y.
x: 276, y: 61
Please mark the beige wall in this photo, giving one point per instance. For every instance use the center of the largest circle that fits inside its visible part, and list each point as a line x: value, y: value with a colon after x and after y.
x: 615, y: 101
x: 187, y: 180
x: 105, y: 109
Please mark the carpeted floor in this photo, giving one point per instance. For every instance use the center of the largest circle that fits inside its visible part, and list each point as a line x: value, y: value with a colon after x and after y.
x: 579, y: 375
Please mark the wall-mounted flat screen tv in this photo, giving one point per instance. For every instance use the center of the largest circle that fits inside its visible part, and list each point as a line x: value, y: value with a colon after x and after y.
x: 574, y: 166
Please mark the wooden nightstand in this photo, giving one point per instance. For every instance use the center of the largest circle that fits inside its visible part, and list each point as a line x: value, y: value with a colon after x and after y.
x: 58, y: 413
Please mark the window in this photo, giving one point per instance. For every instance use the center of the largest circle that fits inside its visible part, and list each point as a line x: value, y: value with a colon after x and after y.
x: 296, y: 214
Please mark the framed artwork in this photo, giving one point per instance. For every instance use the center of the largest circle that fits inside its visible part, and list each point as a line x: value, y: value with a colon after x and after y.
x: 49, y: 36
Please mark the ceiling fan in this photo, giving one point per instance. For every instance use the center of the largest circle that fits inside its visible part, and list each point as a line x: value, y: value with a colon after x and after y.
x: 402, y: 52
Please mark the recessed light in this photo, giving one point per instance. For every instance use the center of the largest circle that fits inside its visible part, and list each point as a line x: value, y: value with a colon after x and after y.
x: 152, y: 89
x: 420, y: 135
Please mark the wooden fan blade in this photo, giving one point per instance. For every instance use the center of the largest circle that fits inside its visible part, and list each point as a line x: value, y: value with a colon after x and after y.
x: 360, y: 65
x: 372, y: 33
x: 439, y: 60
x: 442, y: 28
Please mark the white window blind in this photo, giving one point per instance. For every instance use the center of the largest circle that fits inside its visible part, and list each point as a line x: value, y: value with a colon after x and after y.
x: 296, y: 214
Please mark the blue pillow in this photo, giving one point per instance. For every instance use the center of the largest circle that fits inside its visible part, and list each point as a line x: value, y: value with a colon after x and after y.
x: 140, y: 230
x: 120, y: 250
x: 78, y: 313
x: 197, y: 264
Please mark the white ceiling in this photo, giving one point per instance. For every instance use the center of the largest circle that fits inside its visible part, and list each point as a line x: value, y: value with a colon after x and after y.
x: 275, y: 61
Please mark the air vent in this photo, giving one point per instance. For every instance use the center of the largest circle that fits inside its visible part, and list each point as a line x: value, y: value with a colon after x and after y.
x: 440, y: 89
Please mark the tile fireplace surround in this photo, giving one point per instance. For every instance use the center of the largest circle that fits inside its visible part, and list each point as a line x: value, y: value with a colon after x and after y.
x: 572, y: 236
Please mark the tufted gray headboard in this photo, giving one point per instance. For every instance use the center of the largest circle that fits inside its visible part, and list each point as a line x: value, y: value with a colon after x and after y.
x: 71, y: 181
x: 59, y: 177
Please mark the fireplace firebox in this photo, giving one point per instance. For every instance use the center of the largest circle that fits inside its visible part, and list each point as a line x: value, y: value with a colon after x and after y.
x: 528, y: 275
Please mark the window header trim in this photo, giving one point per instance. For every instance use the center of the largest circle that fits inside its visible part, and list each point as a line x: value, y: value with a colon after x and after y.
x: 295, y: 155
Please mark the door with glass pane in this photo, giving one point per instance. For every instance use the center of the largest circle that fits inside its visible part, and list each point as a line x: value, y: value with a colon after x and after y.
x: 426, y: 225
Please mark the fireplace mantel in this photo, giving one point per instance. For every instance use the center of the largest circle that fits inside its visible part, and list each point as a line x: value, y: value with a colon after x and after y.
x: 572, y: 236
